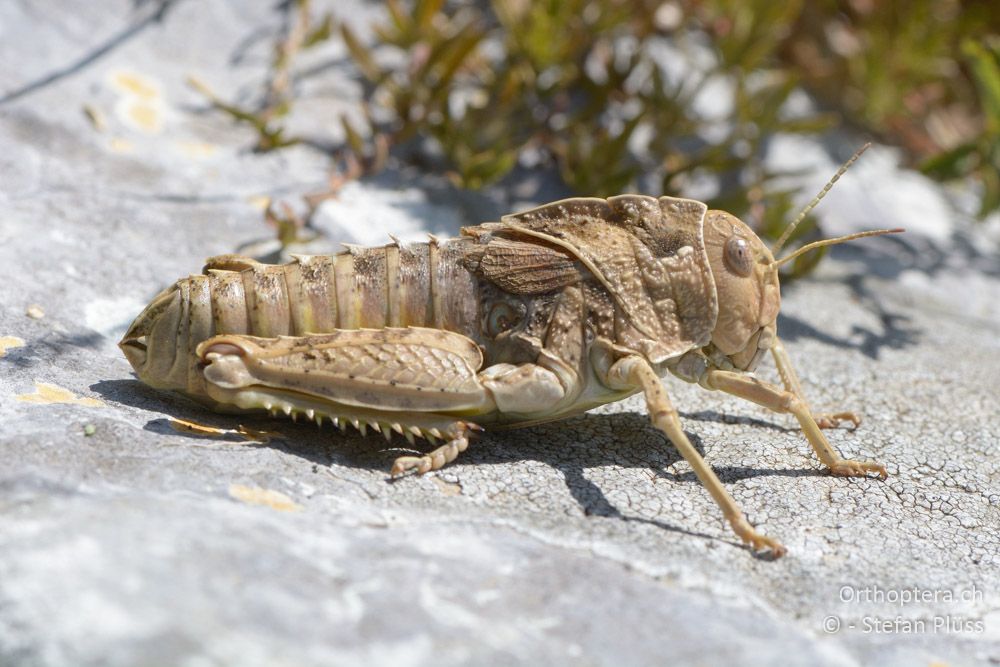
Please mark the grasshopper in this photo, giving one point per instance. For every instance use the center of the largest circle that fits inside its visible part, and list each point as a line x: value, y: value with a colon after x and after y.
x: 540, y: 316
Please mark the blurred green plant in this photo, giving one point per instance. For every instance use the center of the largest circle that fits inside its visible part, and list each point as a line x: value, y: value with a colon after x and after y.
x: 268, y: 114
x: 620, y: 95
x: 979, y: 157
x: 920, y: 74
x: 581, y: 84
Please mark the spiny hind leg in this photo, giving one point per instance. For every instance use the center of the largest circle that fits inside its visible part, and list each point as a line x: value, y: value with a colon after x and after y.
x: 778, y: 400
x: 404, y: 379
x: 457, y: 443
x: 792, y: 384
x: 635, y: 372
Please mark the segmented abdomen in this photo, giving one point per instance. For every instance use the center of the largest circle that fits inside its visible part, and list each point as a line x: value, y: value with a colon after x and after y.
x: 420, y: 284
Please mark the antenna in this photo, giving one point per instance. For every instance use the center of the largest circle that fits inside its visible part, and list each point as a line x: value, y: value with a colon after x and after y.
x: 839, y: 239
x: 836, y: 177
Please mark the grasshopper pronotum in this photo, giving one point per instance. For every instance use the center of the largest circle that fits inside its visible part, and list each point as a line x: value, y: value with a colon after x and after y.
x: 542, y: 315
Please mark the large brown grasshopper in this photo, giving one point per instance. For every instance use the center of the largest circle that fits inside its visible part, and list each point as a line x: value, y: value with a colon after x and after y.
x: 542, y: 315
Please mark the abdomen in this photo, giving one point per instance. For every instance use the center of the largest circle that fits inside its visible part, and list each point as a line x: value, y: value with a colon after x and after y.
x: 420, y: 284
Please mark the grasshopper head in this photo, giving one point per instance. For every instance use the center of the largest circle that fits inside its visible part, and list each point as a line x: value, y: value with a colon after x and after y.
x: 746, y: 281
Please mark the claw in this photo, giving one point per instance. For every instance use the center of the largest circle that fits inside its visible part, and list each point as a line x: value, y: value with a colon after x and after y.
x: 764, y: 543
x: 405, y: 464
x: 833, y: 420
x: 849, y: 468
x: 757, y: 542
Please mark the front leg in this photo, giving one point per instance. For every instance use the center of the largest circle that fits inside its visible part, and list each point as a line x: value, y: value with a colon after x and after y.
x: 636, y: 373
x: 775, y: 399
x: 791, y: 382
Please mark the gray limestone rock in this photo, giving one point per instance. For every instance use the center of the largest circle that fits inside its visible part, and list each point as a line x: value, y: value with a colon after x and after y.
x: 589, y: 541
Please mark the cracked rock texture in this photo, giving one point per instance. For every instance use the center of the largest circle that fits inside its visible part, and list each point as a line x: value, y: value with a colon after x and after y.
x: 126, y: 542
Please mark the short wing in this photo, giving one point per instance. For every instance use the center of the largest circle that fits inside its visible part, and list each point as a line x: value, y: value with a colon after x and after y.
x: 649, y: 253
x: 520, y: 267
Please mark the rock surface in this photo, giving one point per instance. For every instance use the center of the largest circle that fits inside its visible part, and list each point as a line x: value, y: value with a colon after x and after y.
x: 126, y: 542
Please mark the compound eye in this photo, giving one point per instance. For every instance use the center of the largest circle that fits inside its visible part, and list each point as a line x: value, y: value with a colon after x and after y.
x: 738, y: 256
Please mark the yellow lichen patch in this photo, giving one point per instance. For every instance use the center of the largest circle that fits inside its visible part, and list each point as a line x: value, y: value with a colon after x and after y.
x: 141, y: 104
x: 204, y: 430
x: 46, y: 393
x: 260, y: 202
x: 35, y: 312
x: 134, y: 84
x: 253, y: 495
x: 120, y: 145
x: 198, y: 150
x: 9, y: 343
x: 144, y: 116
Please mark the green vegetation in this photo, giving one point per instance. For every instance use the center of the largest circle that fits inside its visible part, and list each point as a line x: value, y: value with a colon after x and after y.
x: 621, y: 95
